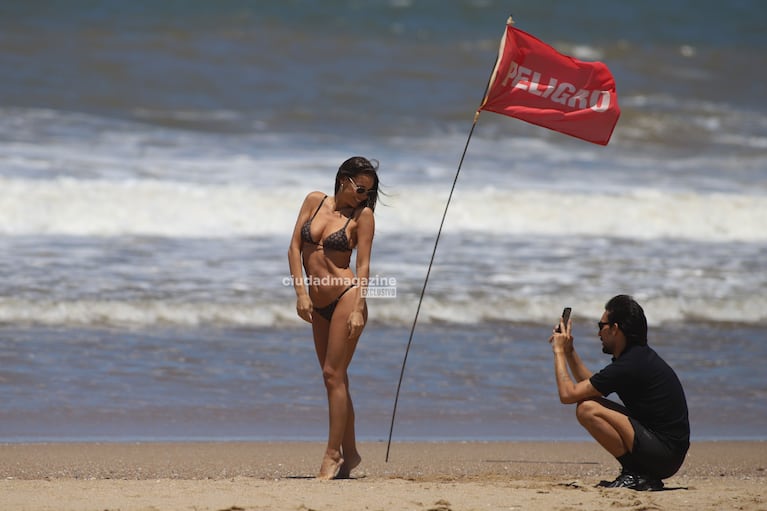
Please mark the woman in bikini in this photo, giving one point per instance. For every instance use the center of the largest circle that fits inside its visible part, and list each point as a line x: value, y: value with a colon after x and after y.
x: 326, y: 232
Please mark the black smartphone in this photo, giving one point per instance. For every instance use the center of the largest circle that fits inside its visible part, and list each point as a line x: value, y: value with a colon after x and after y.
x: 565, y: 317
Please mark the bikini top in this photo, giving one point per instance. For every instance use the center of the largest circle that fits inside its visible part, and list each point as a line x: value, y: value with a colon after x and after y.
x: 336, y: 241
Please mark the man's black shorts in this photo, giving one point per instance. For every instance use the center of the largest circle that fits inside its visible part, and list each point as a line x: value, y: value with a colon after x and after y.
x: 651, y: 456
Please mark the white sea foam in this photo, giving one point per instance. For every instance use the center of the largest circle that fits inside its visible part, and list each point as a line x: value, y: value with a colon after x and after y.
x: 152, y: 208
x: 141, y: 313
x: 175, y: 209
x: 398, y: 311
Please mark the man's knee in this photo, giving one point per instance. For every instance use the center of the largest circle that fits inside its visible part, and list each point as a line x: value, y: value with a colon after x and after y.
x: 586, y: 410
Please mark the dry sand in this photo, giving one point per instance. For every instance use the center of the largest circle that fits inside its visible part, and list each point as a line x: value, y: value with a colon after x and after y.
x: 419, y: 476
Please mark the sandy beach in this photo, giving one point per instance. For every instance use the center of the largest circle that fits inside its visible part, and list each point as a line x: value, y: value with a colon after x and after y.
x: 421, y: 476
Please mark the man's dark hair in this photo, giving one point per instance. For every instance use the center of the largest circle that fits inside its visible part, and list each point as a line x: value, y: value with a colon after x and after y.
x: 628, y: 314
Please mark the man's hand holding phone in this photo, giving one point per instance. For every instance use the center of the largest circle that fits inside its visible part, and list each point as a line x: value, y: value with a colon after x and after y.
x: 565, y: 318
x: 561, y: 338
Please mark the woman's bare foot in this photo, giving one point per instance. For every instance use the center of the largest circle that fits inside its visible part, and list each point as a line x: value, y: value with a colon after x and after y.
x: 350, y: 463
x: 330, y: 467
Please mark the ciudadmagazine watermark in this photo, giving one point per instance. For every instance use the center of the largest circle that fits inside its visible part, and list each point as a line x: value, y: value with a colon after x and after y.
x: 372, y: 287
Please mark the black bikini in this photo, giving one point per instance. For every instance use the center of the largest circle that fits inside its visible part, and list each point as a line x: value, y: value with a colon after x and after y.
x: 337, y: 241
x: 328, y: 310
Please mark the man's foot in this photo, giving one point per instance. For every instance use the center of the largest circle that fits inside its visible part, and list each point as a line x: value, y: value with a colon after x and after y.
x: 633, y: 482
x: 350, y: 462
x: 330, y: 468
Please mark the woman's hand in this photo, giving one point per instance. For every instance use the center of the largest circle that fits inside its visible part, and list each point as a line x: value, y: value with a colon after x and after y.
x: 304, y: 308
x: 356, y: 323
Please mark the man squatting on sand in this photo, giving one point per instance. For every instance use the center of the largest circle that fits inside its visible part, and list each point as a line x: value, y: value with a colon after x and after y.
x: 650, y: 435
x: 327, y: 230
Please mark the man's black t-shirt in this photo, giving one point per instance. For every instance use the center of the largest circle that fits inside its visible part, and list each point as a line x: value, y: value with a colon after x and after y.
x: 651, y: 392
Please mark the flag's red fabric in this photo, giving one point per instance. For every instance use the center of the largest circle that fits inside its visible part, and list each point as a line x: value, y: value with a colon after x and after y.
x: 533, y: 82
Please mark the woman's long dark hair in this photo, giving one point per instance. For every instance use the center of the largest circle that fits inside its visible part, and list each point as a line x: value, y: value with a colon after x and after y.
x: 358, y: 166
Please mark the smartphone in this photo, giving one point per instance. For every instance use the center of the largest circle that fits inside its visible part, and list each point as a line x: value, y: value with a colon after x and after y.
x: 565, y: 317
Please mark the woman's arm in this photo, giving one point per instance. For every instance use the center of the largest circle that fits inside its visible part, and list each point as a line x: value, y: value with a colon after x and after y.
x: 365, y: 234
x: 303, y: 302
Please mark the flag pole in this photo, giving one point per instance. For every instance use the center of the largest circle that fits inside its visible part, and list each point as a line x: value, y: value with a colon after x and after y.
x: 434, y: 250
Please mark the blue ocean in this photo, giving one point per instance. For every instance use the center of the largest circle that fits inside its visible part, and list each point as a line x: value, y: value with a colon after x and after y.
x: 154, y: 155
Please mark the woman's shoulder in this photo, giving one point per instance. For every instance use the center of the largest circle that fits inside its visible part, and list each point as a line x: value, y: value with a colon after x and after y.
x: 314, y: 198
x: 365, y: 215
x: 315, y: 195
x: 365, y: 211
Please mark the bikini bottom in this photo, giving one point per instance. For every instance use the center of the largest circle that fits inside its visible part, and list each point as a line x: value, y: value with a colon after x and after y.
x: 327, y: 311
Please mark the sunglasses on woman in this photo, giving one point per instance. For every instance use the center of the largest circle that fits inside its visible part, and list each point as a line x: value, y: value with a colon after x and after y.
x: 359, y: 190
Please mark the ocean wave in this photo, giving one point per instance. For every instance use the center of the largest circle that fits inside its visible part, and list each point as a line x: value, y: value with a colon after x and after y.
x: 392, y: 311
x: 186, y: 210
x: 140, y: 313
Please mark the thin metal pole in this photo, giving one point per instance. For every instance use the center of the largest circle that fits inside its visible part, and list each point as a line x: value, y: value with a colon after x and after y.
x: 436, y: 242
x: 426, y: 281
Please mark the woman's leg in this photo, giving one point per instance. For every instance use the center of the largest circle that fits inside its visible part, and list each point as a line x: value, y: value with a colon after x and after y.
x: 335, y: 352
x: 320, y: 329
x: 351, y: 456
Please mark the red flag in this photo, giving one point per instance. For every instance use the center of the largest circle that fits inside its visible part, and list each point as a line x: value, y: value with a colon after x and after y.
x: 533, y: 82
